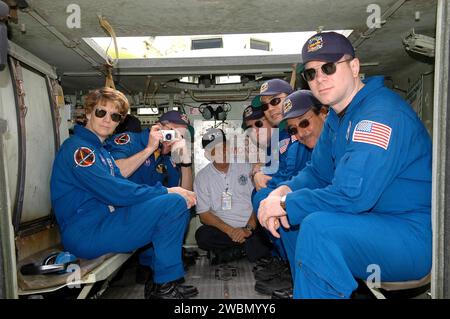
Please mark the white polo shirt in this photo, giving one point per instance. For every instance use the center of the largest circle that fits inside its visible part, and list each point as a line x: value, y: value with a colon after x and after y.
x: 209, y: 184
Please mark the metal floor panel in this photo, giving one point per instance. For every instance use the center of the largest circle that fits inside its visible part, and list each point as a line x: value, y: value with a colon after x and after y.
x: 202, y: 275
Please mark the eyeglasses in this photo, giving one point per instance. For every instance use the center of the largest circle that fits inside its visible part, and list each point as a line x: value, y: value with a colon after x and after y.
x: 292, y: 130
x: 327, y: 68
x: 275, y: 101
x: 100, y: 113
x: 258, y: 124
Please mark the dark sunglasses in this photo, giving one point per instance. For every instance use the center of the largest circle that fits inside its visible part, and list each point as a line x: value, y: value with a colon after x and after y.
x: 258, y: 124
x: 327, y: 68
x: 292, y: 130
x: 116, y: 117
x: 273, y: 102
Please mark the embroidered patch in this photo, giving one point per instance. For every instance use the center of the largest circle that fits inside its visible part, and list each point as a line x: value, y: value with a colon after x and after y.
x: 161, y: 168
x: 284, y: 144
x: 185, y: 118
x: 287, y: 106
x: 371, y: 132
x: 84, y: 157
x: 243, y: 179
x: 122, y: 139
x: 264, y: 87
x: 248, y: 111
x: 315, y: 43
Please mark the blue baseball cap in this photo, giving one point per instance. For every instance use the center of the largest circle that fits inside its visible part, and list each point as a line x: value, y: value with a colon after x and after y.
x: 252, y: 113
x: 326, y: 46
x: 174, y: 117
x: 298, y: 103
x: 212, y: 137
x: 274, y: 87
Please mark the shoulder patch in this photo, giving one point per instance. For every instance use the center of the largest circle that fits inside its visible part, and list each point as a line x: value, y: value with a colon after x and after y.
x: 122, y: 139
x: 84, y: 157
x: 371, y: 132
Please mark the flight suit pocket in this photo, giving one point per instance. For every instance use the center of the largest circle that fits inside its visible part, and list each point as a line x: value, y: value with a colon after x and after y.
x: 350, y: 173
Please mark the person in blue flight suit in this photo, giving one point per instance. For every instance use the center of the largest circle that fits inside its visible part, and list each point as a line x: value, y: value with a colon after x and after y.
x: 304, y: 116
x: 282, y: 158
x: 363, y: 203
x: 99, y: 211
x: 146, y: 158
x: 272, y: 94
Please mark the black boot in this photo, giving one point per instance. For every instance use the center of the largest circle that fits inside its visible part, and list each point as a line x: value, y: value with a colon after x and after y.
x: 170, y: 290
x: 268, y: 286
x: 167, y: 290
x: 187, y: 291
x: 221, y: 256
x: 283, y: 293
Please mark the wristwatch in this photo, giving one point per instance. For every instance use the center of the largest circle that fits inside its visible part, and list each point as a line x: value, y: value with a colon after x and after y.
x: 185, y: 164
x: 283, y: 202
x: 249, y: 227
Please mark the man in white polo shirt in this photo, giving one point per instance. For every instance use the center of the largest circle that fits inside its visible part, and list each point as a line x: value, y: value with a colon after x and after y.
x: 230, y: 230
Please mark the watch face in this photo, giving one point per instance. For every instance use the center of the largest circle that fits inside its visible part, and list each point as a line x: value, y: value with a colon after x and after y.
x: 283, y: 202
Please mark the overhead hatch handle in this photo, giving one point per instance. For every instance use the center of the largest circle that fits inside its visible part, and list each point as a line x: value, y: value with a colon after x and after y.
x: 110, y: 63
x: 109, y: 82
x: 207, y: 98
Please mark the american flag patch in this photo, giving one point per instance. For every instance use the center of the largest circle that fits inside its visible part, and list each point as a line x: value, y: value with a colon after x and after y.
x: 283, y: 145
x: 371, y: 132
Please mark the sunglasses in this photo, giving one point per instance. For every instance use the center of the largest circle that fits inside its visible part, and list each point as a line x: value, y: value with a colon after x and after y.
x: 100, y: 113
x: 327, y: 68
x: 275, y: 101
x: 258, y: 124
x: 292, y: 130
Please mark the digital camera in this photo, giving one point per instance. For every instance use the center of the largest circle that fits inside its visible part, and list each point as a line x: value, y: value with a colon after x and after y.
x: 168, y: 135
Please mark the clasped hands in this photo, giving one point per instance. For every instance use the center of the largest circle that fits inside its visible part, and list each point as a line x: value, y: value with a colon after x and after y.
x: 271, y: 216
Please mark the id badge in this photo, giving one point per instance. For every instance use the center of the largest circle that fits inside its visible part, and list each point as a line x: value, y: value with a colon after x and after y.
x: 226, y: 201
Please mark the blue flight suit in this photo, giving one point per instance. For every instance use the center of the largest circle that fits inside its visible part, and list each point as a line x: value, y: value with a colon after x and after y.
x: 129, y: 143
x: 158, y: 168
x: 99, y: 211
x: 292, y: 159
x: 364, y: 199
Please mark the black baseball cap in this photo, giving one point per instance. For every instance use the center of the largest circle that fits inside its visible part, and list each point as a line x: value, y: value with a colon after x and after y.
x: 327, y: 46
x: 298, y: 103
x: 252, y: 113
x: 212, y: 137
x: 274, y: 87
x: 174, y: 117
